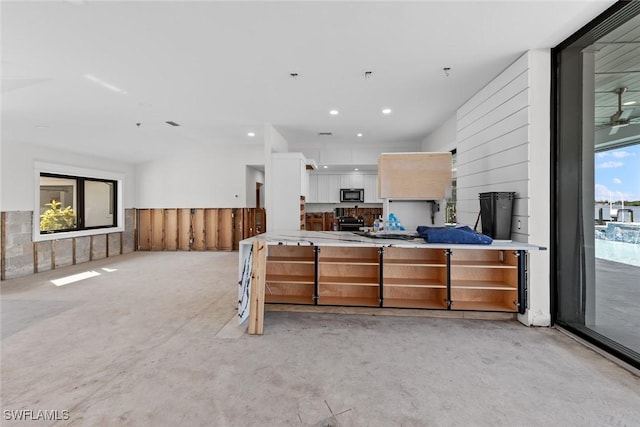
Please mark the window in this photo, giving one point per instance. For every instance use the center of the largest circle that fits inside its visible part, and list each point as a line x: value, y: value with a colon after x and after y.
x: 71, y: 203
x: 450, y: 213
x: 596, y: 243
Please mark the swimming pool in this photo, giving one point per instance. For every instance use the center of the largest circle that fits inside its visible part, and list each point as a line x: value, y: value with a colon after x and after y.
x: 626, y: 253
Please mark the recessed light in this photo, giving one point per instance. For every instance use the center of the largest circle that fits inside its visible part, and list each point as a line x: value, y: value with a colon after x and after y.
x: 356, y: 169
x: 334, y: 112
x: 629, y: 103
x: 359, y: 135
x: 251, y: 134
x: 325, y: 166
x: 386, y: 111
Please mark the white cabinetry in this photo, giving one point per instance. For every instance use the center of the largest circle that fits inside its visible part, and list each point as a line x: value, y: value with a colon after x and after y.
x: 352, y: 181
x: 289, y: 181
x: 371, y: 189
x: 328, y: 188
x: 325, y: 188
x: 314, y: 195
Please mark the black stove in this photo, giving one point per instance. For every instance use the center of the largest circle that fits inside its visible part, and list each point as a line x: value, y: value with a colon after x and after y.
x: 349, y: 223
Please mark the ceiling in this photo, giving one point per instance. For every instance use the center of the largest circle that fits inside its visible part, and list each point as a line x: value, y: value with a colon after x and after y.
x: 617, y: 74
x: 104, y: 77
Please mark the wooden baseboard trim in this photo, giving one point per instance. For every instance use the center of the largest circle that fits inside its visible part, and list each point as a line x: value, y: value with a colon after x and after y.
x: 400, y: 312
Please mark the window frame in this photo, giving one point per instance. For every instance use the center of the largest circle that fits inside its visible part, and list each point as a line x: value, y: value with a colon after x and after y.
x: 569, y: 269
x: 80, y: 175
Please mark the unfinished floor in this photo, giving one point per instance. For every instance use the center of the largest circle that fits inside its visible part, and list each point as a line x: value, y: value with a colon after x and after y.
x: 144, y: 343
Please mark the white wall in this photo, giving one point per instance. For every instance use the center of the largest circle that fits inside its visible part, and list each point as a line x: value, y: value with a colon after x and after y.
x: 273, y: 143
x: 18, y: 184
x: 203, y: 177
x: 287, y: 184
x: 503, y: 144
x: 442, y: 139
x: 254, y: 176
x: 539, y: 222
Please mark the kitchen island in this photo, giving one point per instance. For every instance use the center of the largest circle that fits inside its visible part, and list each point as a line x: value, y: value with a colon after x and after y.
x: 348, y: 269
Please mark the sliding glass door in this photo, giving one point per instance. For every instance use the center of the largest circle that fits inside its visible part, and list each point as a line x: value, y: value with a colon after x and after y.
x: 597, y: 182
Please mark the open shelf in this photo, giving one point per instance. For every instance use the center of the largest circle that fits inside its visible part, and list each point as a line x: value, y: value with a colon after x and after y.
x: 271, y: 278
x: 349, y: 255
x: 289, y: 292
x: 481, y: 264
x: 490, y: 257
x: 290, y: 260
x: 414, y: 303
x: 348, y: 273
x: 349, y: 281
x: 283, y: 252
x: 288, y: 299
x: 357, y: 261
x: 482, y: 284
x: 415, y: 297
x: 484, y: 306
x: 414, y: 263
x: 349, y: 301
x: 484, y: 299
x: 415, y: 256
x: 413, y: 282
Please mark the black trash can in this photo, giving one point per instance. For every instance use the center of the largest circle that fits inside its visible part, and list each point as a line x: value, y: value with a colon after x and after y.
x: 495, y: 211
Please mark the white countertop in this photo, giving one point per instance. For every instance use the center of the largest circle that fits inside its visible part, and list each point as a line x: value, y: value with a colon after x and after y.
x: 347, y: 238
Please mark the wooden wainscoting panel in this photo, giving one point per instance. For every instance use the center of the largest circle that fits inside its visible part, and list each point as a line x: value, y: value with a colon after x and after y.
x: 211, y: 226
x: 144, y: 229
x: 157, y: 229
x: 225, y: 229
x: 238, y: 227
x: 171, y: 229
x: 184, y: 229
x: 197, y: 222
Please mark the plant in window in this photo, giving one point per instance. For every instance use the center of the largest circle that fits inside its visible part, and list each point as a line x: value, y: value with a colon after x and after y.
x: 56, y: 218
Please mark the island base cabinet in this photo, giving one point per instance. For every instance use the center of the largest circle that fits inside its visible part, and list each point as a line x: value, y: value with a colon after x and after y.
x: 416, y: 297
x: 484, y: 300
x: 290, y: 275
x: 357, y: 295
x: 288, y: 293
x: 484, y: 280
x: 414, y: 278
x: 424, y: 278
x: 349, y: 276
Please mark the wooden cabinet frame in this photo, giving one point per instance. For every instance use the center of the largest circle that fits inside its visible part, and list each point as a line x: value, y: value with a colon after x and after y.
x: 482, y: 279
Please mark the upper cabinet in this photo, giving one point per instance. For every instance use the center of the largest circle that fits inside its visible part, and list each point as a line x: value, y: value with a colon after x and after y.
x: 352, y: 181
x: 325, y: 188
x: 312, y: 193
x: 329, y: 188
x: 371, y: 189
x: 414, y: 175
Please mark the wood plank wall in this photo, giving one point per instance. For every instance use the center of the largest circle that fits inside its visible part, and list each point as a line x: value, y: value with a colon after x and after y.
x: 194, y: 229
x: 493, y: 137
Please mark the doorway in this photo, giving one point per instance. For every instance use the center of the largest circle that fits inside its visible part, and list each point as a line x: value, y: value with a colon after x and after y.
x: 596, y: 249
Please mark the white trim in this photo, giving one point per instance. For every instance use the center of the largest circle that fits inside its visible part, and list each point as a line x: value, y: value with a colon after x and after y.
x: 43, y: 167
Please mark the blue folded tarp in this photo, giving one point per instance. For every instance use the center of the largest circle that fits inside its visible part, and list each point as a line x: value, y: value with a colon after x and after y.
x: 461, y: 234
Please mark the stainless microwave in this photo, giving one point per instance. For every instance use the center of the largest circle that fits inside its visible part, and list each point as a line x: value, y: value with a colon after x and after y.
x: 352, y: 195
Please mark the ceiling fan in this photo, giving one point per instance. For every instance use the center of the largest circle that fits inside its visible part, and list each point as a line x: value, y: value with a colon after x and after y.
x: 621, y: 117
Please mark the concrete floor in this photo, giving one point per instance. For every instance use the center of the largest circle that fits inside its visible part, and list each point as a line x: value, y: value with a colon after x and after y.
x: 618, y: 303
x: 144, y: 343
